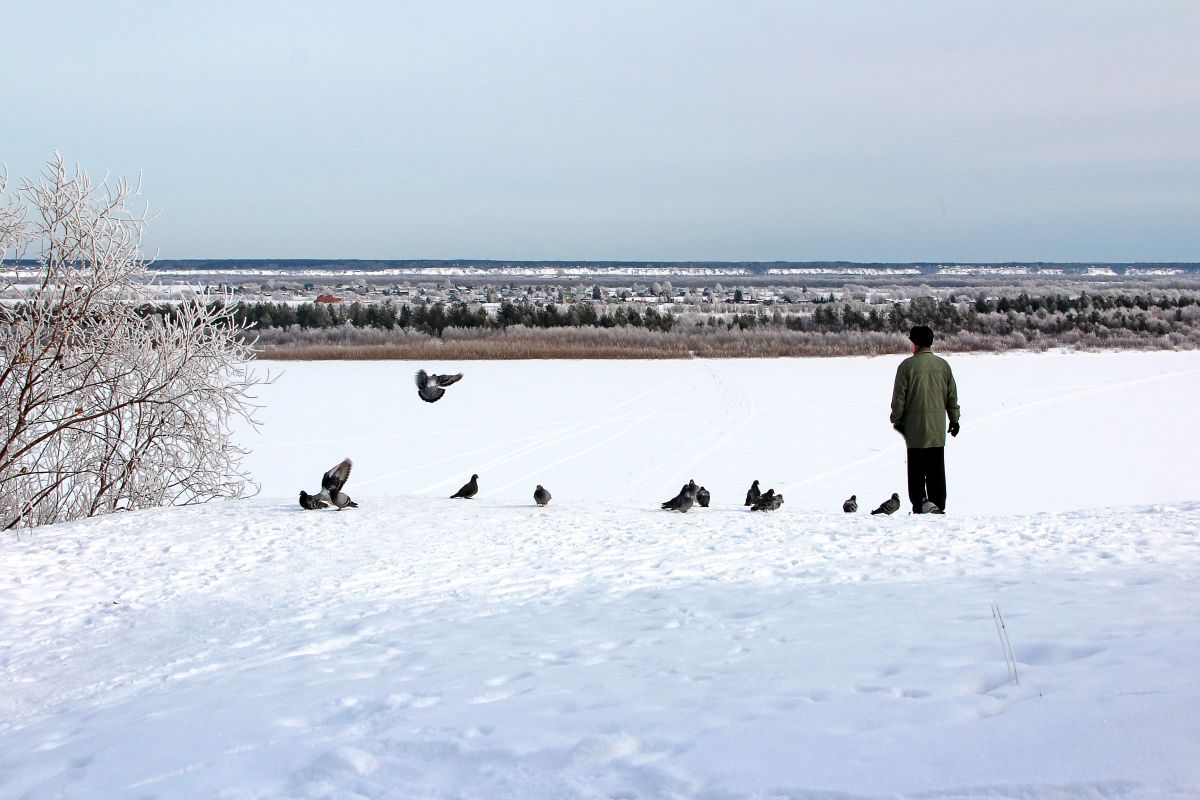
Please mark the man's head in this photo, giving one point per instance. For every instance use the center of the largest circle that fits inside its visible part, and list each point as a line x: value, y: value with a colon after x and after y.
x: 921, y: 336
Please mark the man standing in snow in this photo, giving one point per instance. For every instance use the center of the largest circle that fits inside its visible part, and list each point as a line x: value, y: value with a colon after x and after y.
x: 923, y: 395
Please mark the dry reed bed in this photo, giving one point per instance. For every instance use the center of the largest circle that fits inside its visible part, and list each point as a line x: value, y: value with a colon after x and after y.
x: 631, y: 343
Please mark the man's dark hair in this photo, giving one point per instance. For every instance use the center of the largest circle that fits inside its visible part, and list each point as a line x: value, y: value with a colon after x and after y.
x: 921, y: 336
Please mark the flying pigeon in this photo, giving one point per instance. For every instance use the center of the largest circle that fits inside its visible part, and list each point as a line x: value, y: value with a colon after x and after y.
x: 702, y: 497
x: 430, y: 387
x: 768, y: 501
x: 851, y: 505
x: 682, y: 501
x: 753, y: 495
x: 468, y: 489
x: 541, y: 496
x: 331, y: 490
x: 930, y: 507
x: 889, y: 506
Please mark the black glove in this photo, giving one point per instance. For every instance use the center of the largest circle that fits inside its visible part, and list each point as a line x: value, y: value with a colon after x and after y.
x: 953, y: 429
x: 899, y: 427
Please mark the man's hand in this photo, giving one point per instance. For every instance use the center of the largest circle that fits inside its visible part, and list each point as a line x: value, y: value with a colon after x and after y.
x: 953, y: 429
x: 898, y: 427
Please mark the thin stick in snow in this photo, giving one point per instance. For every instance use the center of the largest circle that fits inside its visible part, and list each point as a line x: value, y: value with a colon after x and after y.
x: 1010, y: 660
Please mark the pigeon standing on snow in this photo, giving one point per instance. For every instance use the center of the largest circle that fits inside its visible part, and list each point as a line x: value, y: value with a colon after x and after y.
x: 682, y: 501
x: 851, y: 505
x: 331, y: 490
x: 767, y: 501
x: 930, y: 507
x: 702, y: 497
x: 889, y: 506
x: 541, y: 496
x: 468, y: 490
x: 753, y: 495
x: 430, y: 388
x: 689, y: 487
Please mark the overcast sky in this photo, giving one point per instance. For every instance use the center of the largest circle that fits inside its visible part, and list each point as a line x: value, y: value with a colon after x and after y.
x: 874, y: 131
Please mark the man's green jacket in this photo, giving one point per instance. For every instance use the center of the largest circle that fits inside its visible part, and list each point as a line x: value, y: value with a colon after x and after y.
x: 922, y: 397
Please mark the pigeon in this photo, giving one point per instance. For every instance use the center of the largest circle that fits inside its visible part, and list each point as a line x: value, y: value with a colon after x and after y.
x: 331, y: 490
x: 430, y: 388
x: 674, y: 500
x: 851, y: 505
x: 702, y: 497
x: 541, y: 496
x: 753, y: 495
x: 682, y: 501
x: 889, y: 506
x: 767, y: 501
x: 690, y: 486
x: 930, y: 507
x: 311, y: 502
x: 468, y: 490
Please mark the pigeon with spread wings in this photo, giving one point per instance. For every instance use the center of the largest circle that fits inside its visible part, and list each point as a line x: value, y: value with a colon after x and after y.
x: 430, y: 388
x: 331, y: 493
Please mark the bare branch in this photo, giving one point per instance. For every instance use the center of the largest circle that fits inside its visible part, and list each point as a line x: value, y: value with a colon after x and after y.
x: 106, y: 401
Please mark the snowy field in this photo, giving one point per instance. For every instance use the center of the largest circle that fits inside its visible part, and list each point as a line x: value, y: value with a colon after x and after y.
x: 1047, y: 432
x: 421, y: 647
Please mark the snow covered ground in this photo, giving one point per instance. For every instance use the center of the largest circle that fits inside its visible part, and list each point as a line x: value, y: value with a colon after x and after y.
x: 1041, y: 432
x: 600, y: 648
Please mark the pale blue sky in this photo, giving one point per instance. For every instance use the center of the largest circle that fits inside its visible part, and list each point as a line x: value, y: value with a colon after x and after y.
x: 866, y: 131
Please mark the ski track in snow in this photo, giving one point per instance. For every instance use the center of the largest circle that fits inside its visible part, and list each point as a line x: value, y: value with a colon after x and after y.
x: 579, y: 453
x: 604, y: 423
x: 861, y: 466
x: 691, y: 453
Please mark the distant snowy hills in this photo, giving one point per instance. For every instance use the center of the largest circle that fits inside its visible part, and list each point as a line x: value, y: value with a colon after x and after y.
x: 655, y: 269
x: 550, y: 270
x: 602, y: 269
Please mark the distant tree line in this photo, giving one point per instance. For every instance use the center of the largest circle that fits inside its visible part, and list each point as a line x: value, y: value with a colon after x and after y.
x: 434, y: 318
x: 1003, y: 316
x: 1167, y: 320
x: 1095, y: 316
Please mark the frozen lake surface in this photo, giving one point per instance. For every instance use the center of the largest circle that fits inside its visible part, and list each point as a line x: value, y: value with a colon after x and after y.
x: 1041, y: 432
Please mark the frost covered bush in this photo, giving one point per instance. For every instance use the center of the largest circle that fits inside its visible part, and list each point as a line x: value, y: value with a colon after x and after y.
x: 104, y: 407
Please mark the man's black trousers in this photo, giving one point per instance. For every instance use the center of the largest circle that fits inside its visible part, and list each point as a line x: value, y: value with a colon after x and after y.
x: 927, y: 476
